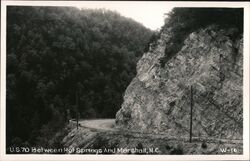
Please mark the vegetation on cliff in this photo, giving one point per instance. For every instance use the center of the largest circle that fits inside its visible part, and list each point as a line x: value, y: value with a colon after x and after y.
x: 183, y: 21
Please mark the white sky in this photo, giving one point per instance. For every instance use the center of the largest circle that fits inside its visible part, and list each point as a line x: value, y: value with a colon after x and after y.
x: 150, y: 14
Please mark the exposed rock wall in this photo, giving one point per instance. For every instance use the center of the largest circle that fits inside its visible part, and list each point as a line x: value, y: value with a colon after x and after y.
x: 158, y: 98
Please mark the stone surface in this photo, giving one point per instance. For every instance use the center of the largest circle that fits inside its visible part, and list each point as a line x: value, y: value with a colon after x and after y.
x: 158, y: 98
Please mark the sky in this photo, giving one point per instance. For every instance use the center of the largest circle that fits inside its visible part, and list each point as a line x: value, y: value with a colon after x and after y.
x: 150, y: 14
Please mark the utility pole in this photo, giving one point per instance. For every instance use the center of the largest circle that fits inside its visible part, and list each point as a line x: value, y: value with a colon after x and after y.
x: 77, y: 113
x: 191, y: 113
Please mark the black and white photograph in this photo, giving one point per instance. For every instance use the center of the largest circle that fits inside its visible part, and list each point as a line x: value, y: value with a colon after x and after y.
x: 124, y: 78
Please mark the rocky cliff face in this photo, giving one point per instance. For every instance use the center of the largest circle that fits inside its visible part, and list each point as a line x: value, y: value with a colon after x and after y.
x: 158, y: 98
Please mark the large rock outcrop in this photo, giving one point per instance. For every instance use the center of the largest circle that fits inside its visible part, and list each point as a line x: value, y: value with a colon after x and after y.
x: 158, y: 98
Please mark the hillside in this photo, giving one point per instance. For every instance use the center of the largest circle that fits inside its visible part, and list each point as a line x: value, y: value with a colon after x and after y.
x: 63, y: 62
x: 209, y: 58
x: 158, y: 99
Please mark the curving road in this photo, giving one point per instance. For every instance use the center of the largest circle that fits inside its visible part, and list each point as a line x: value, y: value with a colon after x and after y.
x: 109, y: 126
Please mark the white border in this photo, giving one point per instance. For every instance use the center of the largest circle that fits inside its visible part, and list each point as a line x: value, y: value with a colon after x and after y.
x: 245, y: 156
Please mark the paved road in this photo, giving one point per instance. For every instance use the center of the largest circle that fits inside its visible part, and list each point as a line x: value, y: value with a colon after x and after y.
x: 109, y: 126
x: 99, y: 124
